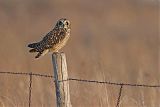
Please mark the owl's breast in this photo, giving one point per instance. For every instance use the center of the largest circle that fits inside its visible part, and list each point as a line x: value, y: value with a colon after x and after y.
x: 63, y: 38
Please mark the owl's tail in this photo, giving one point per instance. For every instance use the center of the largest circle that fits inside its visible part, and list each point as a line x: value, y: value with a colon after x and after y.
x: 36, y: 48
x: 32, y: 45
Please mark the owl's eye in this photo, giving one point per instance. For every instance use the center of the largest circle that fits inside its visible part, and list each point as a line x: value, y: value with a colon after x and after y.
x: 60, y: 23
x: 67, y: 23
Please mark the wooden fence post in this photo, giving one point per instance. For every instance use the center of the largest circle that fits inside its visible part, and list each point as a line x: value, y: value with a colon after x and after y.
x: 60, y: 73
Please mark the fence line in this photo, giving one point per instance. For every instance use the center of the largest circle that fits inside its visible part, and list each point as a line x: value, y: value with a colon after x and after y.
x: 82, y: 80
x: 78, y: 80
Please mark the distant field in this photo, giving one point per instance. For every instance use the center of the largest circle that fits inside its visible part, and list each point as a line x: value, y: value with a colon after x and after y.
x: 110, y: 41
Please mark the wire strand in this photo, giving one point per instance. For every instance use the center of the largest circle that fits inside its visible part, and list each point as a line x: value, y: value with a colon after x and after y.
x: 82, y: 80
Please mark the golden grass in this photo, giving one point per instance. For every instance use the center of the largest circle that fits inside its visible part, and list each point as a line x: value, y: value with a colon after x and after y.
x: 110, y: 41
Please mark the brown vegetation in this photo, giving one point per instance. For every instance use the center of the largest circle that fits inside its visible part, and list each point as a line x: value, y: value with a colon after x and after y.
x: 111, y: 40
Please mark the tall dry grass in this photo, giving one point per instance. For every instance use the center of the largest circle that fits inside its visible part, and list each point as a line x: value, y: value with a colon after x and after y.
x: 110, y: 41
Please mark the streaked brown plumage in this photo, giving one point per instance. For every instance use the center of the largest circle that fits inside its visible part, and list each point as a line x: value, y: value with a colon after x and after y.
x: 54, y: 40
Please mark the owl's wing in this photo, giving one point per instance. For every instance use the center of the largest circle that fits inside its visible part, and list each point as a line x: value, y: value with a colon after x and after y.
x: 53, y: 38
x: 49, y: 40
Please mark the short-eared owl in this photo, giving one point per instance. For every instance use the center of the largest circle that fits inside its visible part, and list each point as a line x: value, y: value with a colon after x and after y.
x: 54, y: 40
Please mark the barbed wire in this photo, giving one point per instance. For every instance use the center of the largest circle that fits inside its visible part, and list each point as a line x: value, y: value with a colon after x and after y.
x: 82, y: 80
x: 78, y: 80
x: 113, y: 83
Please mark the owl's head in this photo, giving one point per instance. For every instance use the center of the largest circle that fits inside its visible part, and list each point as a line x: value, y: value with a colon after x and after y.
x: 63, y: 23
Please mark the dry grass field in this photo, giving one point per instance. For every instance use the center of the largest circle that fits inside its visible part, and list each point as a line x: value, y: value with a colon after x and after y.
x: 111, y: 40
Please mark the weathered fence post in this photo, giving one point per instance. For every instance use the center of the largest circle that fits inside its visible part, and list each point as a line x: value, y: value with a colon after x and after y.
x: 60, y: 73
